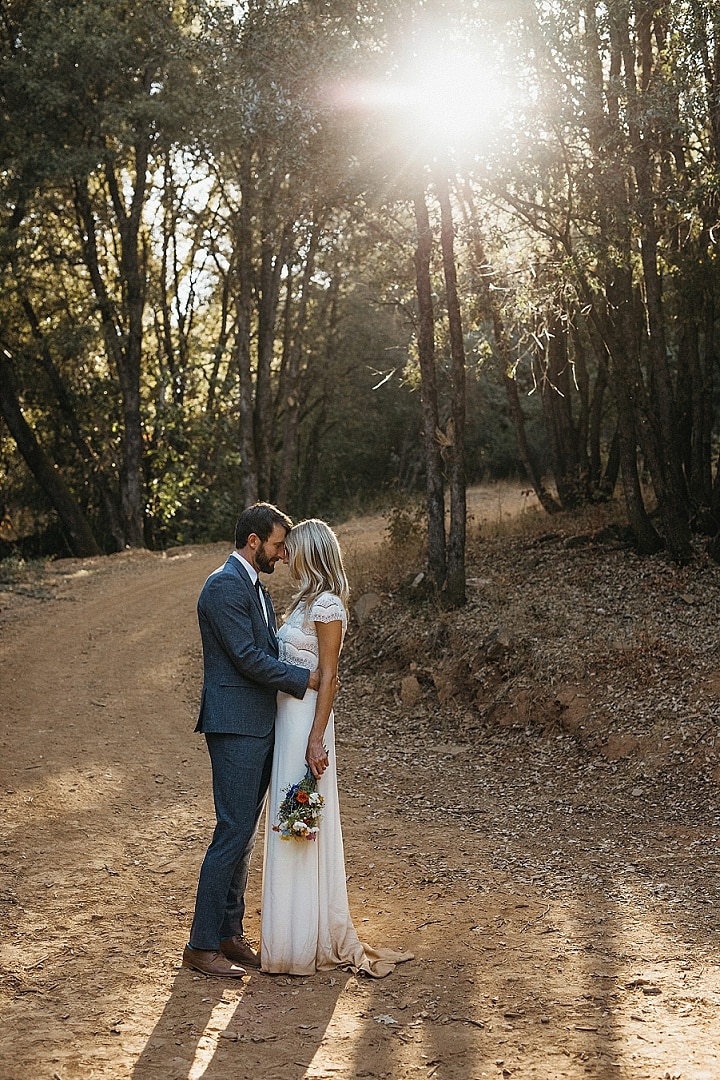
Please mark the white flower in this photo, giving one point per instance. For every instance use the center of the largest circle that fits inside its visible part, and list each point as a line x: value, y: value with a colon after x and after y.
x: 300, y: 826
x: 315, y: 798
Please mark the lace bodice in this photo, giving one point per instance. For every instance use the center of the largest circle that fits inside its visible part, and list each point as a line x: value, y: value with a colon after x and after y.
x: 298, y: 637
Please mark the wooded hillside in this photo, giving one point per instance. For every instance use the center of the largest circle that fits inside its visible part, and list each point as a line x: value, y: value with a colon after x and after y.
x: 323, y: 253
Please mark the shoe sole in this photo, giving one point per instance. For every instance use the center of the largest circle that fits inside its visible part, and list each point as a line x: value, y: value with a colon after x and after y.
x: 246, y: 963
x: 215, y: 974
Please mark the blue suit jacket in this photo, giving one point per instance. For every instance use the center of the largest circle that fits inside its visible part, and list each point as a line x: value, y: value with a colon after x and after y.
x: 242, y: 673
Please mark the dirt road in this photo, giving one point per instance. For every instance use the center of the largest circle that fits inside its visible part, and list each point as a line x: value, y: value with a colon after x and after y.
x: 569, y: 936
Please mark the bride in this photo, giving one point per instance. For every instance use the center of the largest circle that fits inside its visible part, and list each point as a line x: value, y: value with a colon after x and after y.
x: 306, y: 924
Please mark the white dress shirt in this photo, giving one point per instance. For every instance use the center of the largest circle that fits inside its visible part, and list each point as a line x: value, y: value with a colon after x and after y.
x: 253, y: 574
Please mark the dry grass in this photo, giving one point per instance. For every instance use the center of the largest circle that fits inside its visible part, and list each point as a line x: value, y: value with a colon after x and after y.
x: 382, y: 551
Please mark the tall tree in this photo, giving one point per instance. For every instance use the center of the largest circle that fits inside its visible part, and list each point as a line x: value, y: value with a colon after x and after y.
x: 434, y: 484
x: 455, y: 585
x: 83, y: 89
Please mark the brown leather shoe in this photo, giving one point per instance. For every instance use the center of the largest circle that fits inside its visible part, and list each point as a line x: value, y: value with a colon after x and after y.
x: 211, y: 963
x: 240, y: 950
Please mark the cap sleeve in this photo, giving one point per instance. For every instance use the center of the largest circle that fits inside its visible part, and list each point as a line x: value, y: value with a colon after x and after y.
x: 328, y: 608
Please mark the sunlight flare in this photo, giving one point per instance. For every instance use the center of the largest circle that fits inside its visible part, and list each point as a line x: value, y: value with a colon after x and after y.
x: 452, y: 99
x: 444, y: 96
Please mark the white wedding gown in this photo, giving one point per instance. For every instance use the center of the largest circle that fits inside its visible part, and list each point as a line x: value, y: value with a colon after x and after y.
x: 306, y: 924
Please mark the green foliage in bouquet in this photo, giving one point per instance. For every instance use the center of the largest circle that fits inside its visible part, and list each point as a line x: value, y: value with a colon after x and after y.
x: 300, y: 811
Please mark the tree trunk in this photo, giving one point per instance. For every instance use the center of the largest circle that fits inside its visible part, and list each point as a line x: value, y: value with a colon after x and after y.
x: 595, y: 423
x: 455, y: 585
x: 122, y: 333
x: 647, y: 539
x: 272, y: 264
x: 608, y: 481
x: 614, y: 318
x: 437, y: 564
x: 243, y: 305
x: 133, y: 282
x: 581, y: 376
x: 665, y: 462
x: 80, y: 537
x: 559, y: 423
x: 504, y: 357
x: 290, y: 402
x: 325, y: 377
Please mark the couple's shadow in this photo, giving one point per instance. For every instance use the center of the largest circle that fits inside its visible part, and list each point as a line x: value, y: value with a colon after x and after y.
x: 263, y: 1026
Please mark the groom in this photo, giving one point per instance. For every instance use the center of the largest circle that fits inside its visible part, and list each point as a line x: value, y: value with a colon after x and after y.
x: 242, y: 675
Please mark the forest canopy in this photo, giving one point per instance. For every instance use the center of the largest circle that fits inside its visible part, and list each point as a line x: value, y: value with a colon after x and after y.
x: 330, y: 253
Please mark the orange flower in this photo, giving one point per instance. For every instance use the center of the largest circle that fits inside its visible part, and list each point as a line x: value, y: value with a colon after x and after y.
x: 302, y: 797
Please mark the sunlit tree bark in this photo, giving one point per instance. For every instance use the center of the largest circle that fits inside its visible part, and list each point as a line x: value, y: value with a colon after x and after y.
x: 455, y: 583
x: 437, y: 556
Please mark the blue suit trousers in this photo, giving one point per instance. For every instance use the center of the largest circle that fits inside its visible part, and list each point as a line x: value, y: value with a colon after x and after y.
x: 241, y: 766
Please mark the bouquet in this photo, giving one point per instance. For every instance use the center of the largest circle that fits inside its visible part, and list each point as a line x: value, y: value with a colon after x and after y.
x: 300, y: 811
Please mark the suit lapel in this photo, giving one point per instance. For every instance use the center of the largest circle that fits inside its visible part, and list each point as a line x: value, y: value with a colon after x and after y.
x: 245, y: 578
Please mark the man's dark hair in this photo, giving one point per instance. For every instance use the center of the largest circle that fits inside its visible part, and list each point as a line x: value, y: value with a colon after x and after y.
x: 260, y: 518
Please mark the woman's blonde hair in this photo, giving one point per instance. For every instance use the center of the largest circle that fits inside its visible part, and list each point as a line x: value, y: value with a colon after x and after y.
x: 315, y: 559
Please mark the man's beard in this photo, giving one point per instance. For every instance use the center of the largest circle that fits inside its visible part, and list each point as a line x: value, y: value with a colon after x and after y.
x: 263, y: 562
